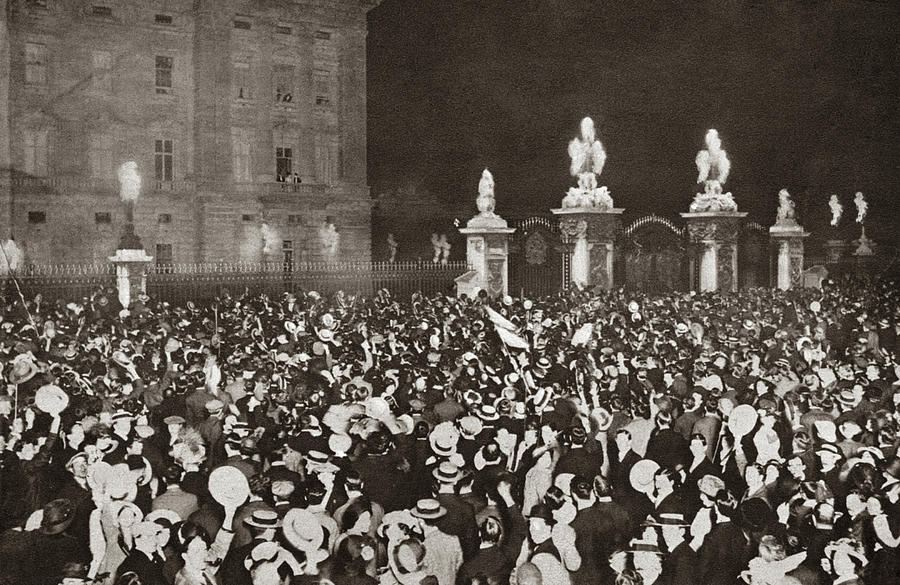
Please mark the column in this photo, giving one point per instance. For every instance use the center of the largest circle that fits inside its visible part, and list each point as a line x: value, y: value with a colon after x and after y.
x: 784, y: 266
x: 709, y: 267
x: 590, y: 234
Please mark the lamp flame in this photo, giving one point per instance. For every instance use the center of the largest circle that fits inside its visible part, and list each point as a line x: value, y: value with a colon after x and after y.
x: 129, y: 181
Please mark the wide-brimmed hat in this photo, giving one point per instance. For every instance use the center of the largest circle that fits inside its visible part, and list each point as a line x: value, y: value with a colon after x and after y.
x: 58, y: 515
x: 22, y: 370
x: 639, y: 545
x: 263, y: 519
x: 428, y: 509
x: 325, y: 335
x: 303, y: 530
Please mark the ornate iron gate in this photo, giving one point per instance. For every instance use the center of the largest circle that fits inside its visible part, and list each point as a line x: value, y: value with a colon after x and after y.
x: 537, y: 261
x: 652, y: 251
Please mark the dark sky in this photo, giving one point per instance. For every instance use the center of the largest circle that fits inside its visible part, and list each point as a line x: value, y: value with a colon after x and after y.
x: 803, y: 93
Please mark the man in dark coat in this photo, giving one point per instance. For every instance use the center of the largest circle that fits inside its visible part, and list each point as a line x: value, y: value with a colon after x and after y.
x: 142, y: 560
x: 37, y: 557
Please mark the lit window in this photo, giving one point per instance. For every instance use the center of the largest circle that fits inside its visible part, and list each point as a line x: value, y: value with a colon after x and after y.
x: 35, y: 64
x: 102, y: 71
x: 165, y: 161
x: 164, y: 66
x: 36, y: 153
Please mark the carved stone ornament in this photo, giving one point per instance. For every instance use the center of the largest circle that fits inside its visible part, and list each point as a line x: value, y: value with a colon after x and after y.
x: 573, y: 227
x: 718, y: 229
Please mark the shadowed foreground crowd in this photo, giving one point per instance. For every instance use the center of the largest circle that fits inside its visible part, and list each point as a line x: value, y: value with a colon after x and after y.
x: 582, y: 439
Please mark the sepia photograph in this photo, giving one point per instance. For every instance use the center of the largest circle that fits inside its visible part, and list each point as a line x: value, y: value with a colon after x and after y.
x: 449, y: 292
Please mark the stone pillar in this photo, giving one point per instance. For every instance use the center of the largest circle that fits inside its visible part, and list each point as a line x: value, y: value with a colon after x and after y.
x: 596, y: 230
x: 131, y: 274
x: 715, y: 237
x: 786, y: 255
x: 487, y: 253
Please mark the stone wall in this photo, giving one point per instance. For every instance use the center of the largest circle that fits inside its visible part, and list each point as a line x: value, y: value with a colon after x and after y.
x: 98, y: 115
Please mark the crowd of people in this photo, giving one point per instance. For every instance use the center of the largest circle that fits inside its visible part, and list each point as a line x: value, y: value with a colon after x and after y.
x: 590, y: 438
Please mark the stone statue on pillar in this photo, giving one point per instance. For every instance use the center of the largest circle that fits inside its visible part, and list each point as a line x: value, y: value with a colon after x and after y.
x: 713, y: 167
x: 487, y: 247
x: 588, y: 157
x: 714, y: 223
x: 864, y: 244
x: 837, y: 210
x: 787, y: 244
x: 588, y: 221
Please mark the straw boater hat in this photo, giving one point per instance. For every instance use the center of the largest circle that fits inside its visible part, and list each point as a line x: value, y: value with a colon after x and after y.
x: 447, y: 473
x: 263, y: 519
x: 428, y: 509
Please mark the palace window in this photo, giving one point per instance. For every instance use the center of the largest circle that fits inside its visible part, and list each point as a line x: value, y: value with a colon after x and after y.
x: 163, y: 19
x: 102, y: 217
x: 100, y: 155
x: 164, y: 218
x: 242, y: 81
x: 102, y: 11
x: 163, y: 254
x: 164, y: 67
x: 37, y: 217
x: 284, y: 163
x: 164, y: 159
x: 36, y: 153
x: 283, y: 80
x: 240, y: 148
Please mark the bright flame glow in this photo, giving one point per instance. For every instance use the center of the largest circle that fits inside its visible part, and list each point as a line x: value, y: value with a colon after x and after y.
x: 129, y: 181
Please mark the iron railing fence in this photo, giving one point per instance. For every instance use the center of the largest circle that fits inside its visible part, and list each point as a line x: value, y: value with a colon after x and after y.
x: 182, y: 282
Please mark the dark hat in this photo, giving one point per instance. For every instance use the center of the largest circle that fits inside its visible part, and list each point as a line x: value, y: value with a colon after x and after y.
x: 543, y: 512
x: 58, y: 514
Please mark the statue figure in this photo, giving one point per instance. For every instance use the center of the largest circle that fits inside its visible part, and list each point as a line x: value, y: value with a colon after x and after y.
x: 713, y: 167
x: 861, y: 207
x: 392, y: 247
x: 485, y: 200
x: 786, y: 211
x: 837, y: 210
x: 588, y: 158
x: 329, y: 239
x: 436, y: 246
x: 445, y: 249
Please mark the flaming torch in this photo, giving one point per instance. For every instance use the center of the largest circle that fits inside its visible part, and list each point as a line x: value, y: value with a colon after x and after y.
x: 129, y: 189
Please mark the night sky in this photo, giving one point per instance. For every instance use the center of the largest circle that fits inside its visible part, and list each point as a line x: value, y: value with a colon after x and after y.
x: 804, y: 95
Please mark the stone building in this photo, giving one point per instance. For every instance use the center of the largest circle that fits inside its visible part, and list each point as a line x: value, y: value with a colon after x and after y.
x: 247, y: 119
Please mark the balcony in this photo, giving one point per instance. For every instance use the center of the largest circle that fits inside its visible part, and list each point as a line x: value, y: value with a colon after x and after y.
x: 63, y: 184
